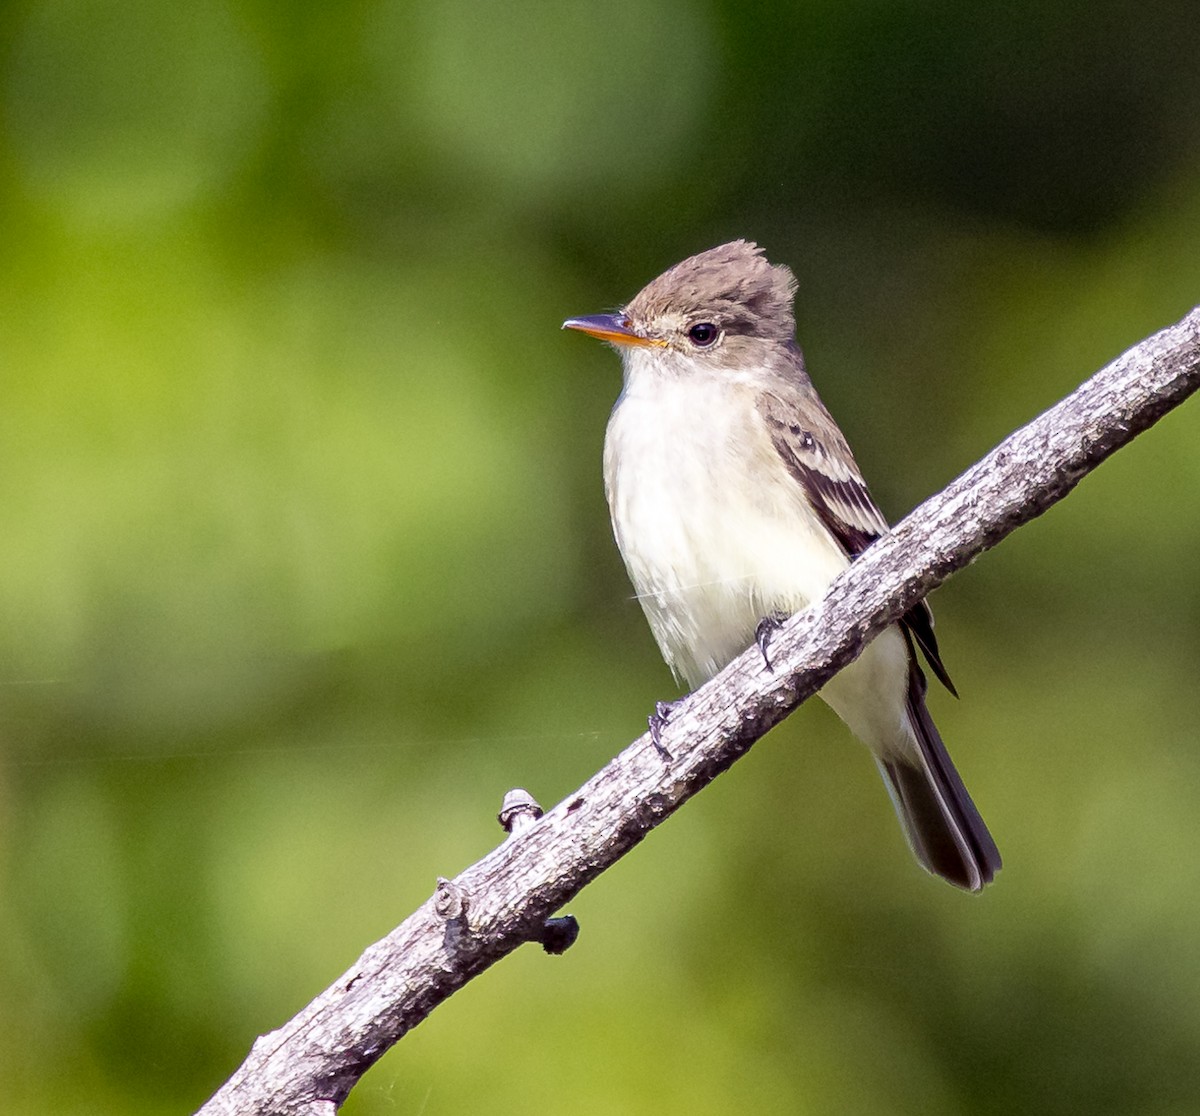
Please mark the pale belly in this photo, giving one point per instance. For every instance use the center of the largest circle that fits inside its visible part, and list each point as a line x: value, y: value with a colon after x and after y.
x: 717, y: 535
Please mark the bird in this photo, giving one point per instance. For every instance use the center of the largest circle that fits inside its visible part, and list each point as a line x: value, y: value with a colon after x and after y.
x: 735, y: 500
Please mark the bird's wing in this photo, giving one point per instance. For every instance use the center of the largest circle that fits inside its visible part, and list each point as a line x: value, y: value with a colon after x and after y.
x: 817, y: 455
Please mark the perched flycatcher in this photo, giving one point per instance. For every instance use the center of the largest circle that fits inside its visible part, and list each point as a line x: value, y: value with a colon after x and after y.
x: 735, y: 501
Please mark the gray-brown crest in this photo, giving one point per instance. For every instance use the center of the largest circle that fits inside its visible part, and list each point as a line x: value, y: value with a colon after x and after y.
x: 733, y: 285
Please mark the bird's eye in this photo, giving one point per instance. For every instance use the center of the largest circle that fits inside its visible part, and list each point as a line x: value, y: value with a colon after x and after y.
x: 703, y: 334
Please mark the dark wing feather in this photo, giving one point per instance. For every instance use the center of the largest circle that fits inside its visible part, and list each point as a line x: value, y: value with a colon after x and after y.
x: 917, y: 623
x: 817, y: 455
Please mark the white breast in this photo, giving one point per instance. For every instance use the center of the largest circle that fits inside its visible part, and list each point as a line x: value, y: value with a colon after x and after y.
x: 714, y: 531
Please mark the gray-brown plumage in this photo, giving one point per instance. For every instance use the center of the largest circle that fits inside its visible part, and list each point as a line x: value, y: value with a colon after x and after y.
x: 735, y: 497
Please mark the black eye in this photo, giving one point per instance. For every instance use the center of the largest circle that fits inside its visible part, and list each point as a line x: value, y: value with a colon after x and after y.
x: 703, y: 334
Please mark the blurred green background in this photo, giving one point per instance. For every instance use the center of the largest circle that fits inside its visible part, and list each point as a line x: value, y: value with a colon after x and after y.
x: 304, y: 557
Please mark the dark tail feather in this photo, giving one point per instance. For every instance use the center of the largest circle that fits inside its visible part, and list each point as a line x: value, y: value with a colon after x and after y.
x: 939, y: 819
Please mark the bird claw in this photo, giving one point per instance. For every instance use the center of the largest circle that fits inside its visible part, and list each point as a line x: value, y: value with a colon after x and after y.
x: 767, y: 627
x: 658, y: 721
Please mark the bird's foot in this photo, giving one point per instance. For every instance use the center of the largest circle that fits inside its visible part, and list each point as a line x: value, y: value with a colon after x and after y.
x: 767, y: 627
x: 658, y: 721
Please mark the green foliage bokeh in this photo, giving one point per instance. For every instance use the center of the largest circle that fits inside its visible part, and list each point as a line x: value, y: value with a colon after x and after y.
x: 305, y: 559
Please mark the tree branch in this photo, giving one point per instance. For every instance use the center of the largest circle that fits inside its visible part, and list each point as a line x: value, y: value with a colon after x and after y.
x: 310, y: 1064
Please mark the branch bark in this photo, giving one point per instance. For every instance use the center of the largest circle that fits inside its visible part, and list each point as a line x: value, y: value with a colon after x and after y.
x: 309, y: 1065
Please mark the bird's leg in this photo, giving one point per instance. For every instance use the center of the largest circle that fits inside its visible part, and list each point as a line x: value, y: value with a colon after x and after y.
x: 767, y: 627
x: 658, y: 720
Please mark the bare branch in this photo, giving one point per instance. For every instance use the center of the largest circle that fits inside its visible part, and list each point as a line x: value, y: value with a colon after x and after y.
x: 310, y: 1064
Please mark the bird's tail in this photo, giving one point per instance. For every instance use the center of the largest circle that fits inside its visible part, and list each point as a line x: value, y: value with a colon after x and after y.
x: 944, y: 829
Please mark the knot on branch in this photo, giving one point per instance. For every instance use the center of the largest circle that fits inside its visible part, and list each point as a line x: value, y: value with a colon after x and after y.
x: 559, y: 934
x: 450, y: 901
x: 518, y: 811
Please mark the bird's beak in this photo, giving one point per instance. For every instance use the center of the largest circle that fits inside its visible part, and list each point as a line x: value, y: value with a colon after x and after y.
x: 614, y: 328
